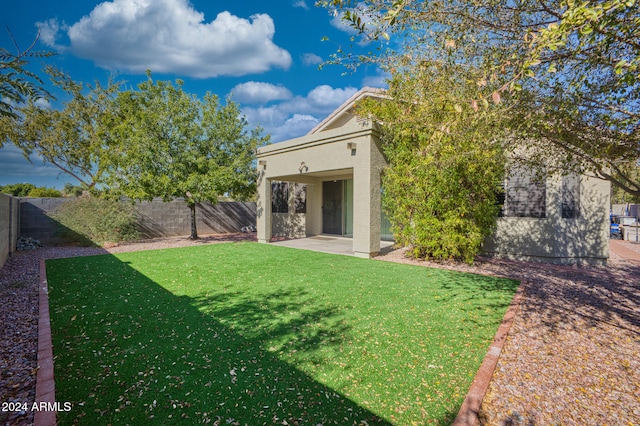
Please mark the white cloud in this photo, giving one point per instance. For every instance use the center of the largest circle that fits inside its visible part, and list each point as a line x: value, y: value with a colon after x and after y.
x: 43, y: 103
x: 379, y: 80
x: 297, y: 125
x: 17, y: 169
x: 300, y: 3
x: 311, y: 59
x: 326, y: 98
x: 170, y: 36
x: 254, y: 92
x: 49, y: 31
x: 296, y: 116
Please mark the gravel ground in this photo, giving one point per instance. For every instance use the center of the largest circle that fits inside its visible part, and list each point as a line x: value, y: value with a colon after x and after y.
x: 571, y: 358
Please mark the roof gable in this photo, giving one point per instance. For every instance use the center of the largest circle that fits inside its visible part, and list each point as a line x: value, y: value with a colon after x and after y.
x: 345, y: 112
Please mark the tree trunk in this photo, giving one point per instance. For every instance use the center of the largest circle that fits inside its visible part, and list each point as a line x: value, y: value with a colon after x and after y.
x: 194, y: 231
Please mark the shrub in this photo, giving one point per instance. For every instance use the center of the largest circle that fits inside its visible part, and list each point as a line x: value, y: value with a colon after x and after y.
x: 17, y: 189
x: 71, y: 190
x: 42, y: 192
x: 98, y: 220
x: 446, y: 162
x: 443, y: 208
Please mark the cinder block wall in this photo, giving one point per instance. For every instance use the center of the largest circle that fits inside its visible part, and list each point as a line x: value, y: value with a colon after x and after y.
x: 156, y: 218
x: 159, y: 219
x: 34, y: 221
x: 9, y: 226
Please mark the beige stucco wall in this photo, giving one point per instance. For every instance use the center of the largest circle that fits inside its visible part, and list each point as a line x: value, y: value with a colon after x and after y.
x: 326, y: 155
x: 581, y: 240
x: 289, y: 225
x: 300, y: 225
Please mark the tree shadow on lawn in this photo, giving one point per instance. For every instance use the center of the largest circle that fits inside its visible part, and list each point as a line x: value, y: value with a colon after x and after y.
x: 472, y: 290
x: 279, y: 321
x: 129, y: 351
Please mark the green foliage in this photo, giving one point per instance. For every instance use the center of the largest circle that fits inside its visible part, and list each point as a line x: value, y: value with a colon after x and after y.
x: 17, y: 84
x: 30, y: 190
x: 70, y: 190
x: 42, y: 192
x: 446, y: 163
x: 18, y: 189
x: 167, y: 143
x: 618, y: 195
x: 98, y: 220
x: 442, y: 211
x: 568, y: 69
x: 256, y: 334
x: 73, y: 138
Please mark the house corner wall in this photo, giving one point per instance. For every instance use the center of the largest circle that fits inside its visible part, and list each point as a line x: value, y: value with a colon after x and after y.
x: 348, y: 152
x: 367, y: 200
x: 263, y: 209
x: 583, y: 240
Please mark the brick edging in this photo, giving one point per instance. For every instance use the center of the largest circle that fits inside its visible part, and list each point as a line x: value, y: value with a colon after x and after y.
x: 468, y: 414
x: 45, y: 387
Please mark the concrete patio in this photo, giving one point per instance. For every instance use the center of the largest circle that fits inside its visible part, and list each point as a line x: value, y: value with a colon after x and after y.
x: 328, y: 244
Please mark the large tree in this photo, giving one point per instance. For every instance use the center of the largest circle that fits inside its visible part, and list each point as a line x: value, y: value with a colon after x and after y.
x: 570, y: 69
x: 72, y: 138
x: 167, y: 143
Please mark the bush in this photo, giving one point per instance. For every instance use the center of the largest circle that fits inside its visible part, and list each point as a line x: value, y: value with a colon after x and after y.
x: 30, y: 190
x: 446, y: 162
x: 443, y: 211
x: 71, y: 190
x: 42, y: 192
x: 98, y: 220
x: 17, y: 189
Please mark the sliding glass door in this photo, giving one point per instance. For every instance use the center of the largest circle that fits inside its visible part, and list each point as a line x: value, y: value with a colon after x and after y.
x: 337, y: 207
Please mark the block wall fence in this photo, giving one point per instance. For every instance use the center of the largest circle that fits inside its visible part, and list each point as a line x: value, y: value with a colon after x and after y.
x: 9, y: 226
x: 29, y: 217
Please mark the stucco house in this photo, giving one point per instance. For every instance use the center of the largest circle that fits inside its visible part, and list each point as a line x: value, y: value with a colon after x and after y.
x: 328, y: 182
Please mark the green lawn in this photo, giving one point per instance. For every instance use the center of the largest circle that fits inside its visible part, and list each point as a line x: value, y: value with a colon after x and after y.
x: 246, y: 333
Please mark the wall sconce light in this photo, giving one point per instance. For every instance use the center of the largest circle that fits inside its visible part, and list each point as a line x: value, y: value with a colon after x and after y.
x: 263, y: 164
x: 303, y: 167
x: 352, y: 146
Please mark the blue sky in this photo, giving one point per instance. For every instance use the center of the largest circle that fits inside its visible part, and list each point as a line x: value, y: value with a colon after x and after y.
x: 265, y: 54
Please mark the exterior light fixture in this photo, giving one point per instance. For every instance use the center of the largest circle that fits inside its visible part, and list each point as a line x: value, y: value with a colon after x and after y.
x: 352, y: 146
x: 263, y: 164
x: 303, y: 167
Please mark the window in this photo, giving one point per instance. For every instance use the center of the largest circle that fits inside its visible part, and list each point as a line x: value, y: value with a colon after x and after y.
x: 525, y: 195
x: 279, y: 197
x: 570, y: 193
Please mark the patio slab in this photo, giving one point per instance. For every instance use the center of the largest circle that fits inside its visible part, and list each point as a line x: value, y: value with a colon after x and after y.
x: 328, y: 244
